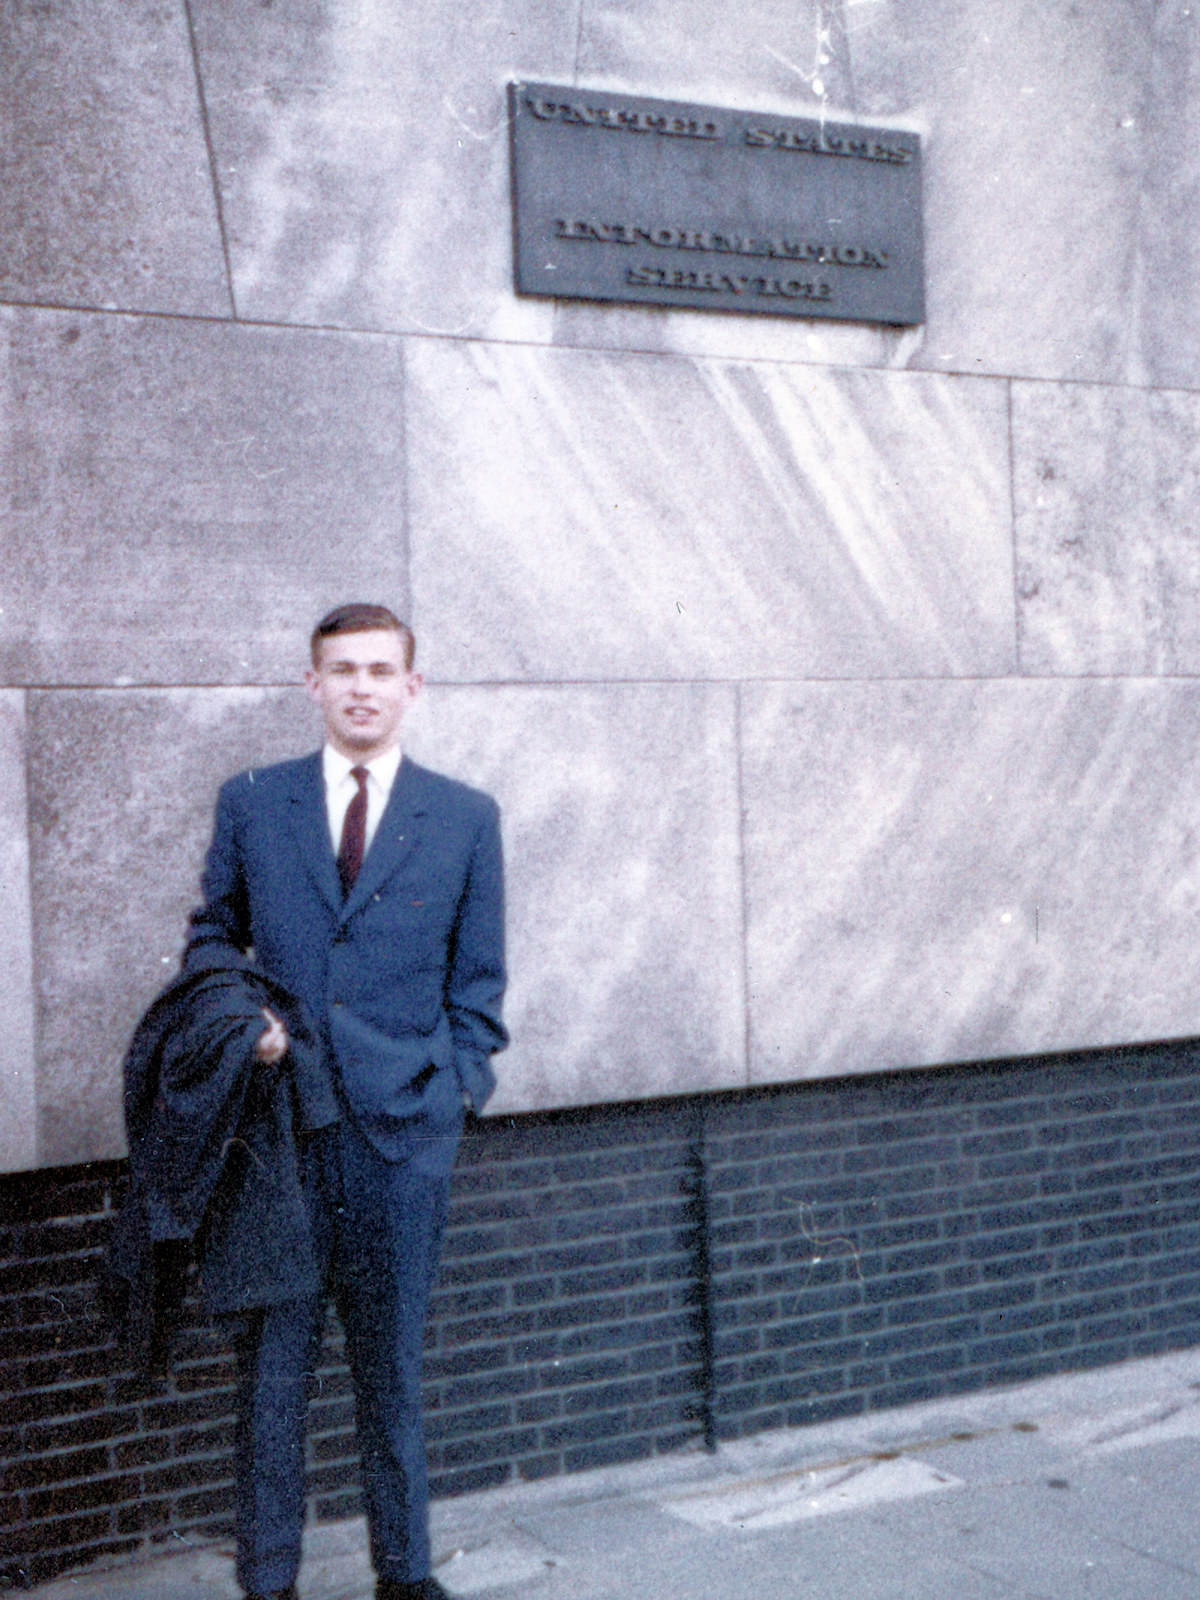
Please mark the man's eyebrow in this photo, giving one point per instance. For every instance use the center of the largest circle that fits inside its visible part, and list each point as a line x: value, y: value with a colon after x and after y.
x: 344, y: 664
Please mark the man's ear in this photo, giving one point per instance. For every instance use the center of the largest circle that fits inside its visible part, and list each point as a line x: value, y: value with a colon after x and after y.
x: 416, y: 683
x: 312, y: 683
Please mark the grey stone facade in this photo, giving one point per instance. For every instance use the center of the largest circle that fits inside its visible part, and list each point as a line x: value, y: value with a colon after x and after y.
x: 838, y: 684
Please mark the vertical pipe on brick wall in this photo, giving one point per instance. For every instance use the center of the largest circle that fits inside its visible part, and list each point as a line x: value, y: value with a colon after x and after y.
x: 698, y: 1164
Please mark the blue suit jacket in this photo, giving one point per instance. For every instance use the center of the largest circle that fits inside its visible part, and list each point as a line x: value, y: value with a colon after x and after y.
x: 403, y: 979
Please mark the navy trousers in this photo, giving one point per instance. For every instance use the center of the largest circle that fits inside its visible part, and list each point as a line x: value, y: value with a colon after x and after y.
x: 377, y: 1229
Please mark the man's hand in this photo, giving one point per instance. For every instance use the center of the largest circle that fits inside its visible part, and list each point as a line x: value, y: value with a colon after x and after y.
x: 273, y: 1043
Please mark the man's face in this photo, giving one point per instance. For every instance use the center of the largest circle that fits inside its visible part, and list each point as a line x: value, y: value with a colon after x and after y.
x: 363, y: 689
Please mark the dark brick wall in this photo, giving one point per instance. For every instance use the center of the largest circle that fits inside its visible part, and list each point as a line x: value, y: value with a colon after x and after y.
x: 897, y: 1238
x: 871, y: 1241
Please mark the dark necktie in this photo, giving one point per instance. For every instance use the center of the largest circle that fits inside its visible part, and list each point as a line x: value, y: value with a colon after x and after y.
x: 354, y: 832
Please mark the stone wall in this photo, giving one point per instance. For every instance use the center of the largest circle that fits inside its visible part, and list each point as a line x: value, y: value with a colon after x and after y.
x: 837, y: 683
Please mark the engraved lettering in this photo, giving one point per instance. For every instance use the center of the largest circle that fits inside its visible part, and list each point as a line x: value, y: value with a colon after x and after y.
x: 825, y: 144
x: 578, y: 114
x: 680, y: 126
x: 642, y: 121
x: 671, y: 237
x: 726, y: 283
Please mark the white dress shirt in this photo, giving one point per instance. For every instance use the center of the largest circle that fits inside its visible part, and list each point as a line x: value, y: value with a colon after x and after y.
x: 340, y: 789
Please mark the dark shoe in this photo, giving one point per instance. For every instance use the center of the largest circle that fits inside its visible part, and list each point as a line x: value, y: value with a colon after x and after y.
x: 276, y: 1594
x: 424, y: 1589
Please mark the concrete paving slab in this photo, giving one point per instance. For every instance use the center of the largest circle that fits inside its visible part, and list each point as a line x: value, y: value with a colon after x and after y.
x: 197, y: 1574
x: 1035, y: 1538
x: 853, y: 1559
x: 1149, y: 1506
x: 1168, y: 1466
x: 510, y: 1559
x: 643, y: 1559
x: 799, y: 1496
x: 643, y: 1554
x: 996, y: 1455
x: 1047, y: 1508
x: 1156, y: 1425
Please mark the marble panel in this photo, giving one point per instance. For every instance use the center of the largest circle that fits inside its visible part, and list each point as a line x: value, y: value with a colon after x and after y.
x: 624, y: 899
x: 581, y: 516
x: 622, y: 877
x: 18, y: 1125
x: 106, y: 196
x: 180, y: 498
x: 1036, y: 149
x: 776, y: 55
x: 579, y: 325
x: 1166, y: 310
x: 943, y: 872
x: 121, y: 792
x: 1107, y: 494
x: 363, y: 157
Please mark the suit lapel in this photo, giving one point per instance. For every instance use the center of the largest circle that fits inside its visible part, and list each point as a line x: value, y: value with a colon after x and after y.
x: 395, y: 838
x: 308, y: 820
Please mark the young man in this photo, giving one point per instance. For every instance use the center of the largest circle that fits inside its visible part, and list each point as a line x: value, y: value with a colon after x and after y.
x: 371, y: 890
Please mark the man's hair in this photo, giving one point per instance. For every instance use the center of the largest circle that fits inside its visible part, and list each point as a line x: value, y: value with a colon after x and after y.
x: 362, y: 618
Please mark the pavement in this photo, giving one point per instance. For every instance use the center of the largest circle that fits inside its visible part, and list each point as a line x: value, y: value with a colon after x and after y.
x: 1085, y: 1486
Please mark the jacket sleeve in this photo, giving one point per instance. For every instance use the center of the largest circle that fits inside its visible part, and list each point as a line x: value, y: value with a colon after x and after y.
x: 224, y: 917
x: 475, y: 979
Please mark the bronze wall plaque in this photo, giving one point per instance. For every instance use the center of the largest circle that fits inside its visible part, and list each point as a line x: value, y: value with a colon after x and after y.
x: 658, y: 202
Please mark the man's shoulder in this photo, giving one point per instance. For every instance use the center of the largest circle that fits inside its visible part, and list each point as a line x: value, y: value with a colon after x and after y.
x: 447, y: 795
x: 272, y: 782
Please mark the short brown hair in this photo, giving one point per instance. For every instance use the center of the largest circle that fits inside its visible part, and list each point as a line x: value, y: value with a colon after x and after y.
x: 362, y: 618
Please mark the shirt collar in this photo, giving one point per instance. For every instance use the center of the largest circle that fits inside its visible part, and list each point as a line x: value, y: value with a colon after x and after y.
x: 337, y: 768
